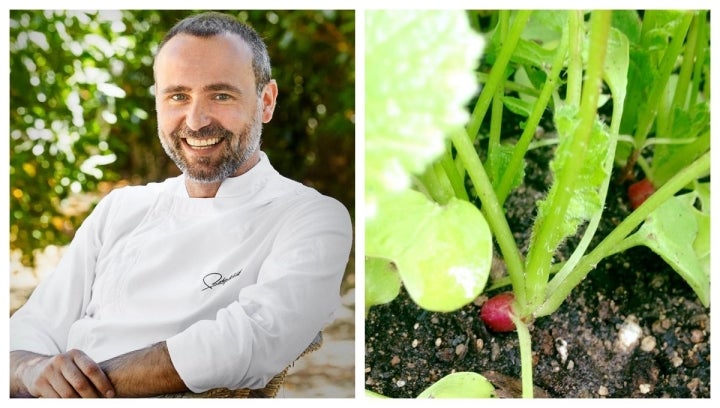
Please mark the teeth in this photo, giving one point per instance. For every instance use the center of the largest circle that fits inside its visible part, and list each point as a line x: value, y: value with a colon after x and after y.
x: 204, y: 142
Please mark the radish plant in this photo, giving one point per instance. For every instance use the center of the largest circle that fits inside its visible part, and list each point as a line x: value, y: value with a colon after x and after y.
x: 649, y: 72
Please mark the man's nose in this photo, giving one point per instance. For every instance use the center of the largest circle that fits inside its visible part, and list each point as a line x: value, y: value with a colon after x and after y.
x: 198, y: 116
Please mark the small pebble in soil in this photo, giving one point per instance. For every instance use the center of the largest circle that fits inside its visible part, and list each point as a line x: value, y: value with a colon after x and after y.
x: 691, y: 360
x: 603, y: 391
x: 676, y: 360
x: 629, y: 334
x: 697, y: 336
x: 648, y: 343
x: 645, y: 388
x: 495, y: 352
x: 701, y: 320
x: 666, y: 324
x: 561, y: 347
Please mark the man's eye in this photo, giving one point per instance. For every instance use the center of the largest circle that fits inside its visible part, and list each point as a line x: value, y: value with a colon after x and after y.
x: 223, y: 97
x: 178, y: 97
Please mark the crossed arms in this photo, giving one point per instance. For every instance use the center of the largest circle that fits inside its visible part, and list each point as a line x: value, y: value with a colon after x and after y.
x: 141, y: 373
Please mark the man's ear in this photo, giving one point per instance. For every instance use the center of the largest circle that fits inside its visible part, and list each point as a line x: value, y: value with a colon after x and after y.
x: 269, y: 96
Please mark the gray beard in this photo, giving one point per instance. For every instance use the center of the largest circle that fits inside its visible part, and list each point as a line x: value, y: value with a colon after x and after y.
x: 234, y: 155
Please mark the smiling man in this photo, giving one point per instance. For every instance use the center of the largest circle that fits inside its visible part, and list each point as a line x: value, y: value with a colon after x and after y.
x: 220, y: 277
x: 211, y: 105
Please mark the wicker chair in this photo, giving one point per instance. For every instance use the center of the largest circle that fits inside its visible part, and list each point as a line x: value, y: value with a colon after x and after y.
x: 270, y: 390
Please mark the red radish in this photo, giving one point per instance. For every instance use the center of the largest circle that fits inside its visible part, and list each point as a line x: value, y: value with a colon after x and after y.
x: 495, y: 313
x: 639, y: 191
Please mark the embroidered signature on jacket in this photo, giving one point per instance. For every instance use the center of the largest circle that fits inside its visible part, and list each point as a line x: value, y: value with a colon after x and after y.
x: 216, y: 279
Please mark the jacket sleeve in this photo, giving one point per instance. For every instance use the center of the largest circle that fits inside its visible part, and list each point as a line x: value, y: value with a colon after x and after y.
x: 42, y: 324
x: 273, y: 321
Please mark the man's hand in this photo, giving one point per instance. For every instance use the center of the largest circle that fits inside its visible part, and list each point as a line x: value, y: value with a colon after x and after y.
x: 140, y: 373
x: 68, y: 375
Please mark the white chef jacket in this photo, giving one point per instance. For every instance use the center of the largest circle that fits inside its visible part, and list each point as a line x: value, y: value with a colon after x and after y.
x: 238, y: 285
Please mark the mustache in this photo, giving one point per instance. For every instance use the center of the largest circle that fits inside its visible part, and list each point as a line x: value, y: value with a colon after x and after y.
x: 207, y: 131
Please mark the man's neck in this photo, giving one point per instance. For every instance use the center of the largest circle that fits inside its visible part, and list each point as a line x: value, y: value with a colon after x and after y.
x: 196, y: 189
x: 201, y: 190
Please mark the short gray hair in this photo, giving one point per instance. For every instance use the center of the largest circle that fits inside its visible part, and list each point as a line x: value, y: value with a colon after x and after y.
x: 213, y: 23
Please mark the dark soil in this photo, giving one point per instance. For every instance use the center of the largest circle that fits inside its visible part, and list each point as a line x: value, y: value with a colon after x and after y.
x: 577, y: 351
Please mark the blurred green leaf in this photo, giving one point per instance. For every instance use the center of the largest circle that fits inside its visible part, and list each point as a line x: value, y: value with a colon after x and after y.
x: 442, y: 253
x: 417, y: 85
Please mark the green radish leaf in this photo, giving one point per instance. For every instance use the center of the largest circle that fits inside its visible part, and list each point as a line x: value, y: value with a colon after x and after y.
x: 616, y: 67
x: 460, y: 385
x: 382, y: 282
x: 498, y: 162
x: 586, y: 199
x: 443, y: 253
x: 537, y: 45
x: 531, y: 53
x: 661, y: 27
x: 680, y: 234
x: 628, y: 22
x: 692, y: 126
x: 518, y: 106
x: 702, y: 241
x: 545, y: 26
x: 522, y: 78
x: 643, y: 72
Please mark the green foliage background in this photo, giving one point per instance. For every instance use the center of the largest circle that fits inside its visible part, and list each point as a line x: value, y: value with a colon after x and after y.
x: 82, y: 110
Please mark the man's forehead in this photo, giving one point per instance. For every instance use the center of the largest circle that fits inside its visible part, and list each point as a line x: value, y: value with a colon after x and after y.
x: 183, y: 44
x: 202, y: 60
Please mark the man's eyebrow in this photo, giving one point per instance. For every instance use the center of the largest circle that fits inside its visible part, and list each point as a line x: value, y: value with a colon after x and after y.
x: 220, y: 86
x: 175, y: 89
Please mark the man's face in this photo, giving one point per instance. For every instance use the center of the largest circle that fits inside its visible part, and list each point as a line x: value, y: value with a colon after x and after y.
x: 209, y: 114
